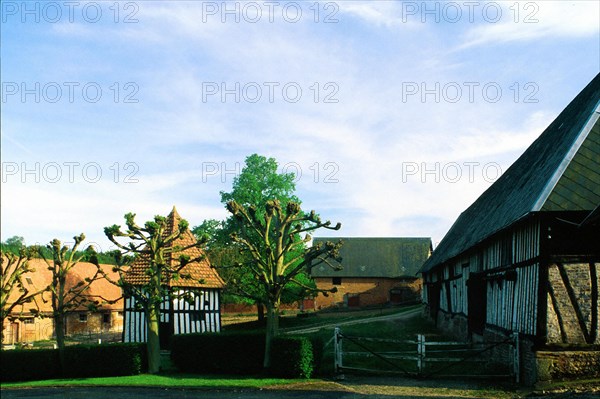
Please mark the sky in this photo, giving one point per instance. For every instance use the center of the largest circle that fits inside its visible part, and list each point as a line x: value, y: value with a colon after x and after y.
x: 394, y: 115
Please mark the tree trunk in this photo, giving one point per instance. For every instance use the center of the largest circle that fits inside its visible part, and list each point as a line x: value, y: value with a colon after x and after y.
x: 153, y: 343
x: 260, y: 308
x: 59, y: 329
x: 272, y: 331
x: 2, y: 330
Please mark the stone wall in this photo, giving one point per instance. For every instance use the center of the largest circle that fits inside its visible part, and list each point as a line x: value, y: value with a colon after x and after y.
x: 558, y: 365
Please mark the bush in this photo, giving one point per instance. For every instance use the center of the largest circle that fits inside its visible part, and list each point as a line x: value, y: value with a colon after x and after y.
x: 241, y: 353
x: 219, y: 353
x: 80, y: 361
x: 104, y: 360
x: 28, y: 364
x: 292, y: 357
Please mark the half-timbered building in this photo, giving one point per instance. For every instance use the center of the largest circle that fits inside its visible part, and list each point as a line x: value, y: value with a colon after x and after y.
x: 523, y: 258
x: 195, y: 305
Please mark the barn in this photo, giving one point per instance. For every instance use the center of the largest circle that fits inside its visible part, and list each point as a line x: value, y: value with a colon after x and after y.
x: 523, y: 258
x: 199, y: 312
x: 374, y: 271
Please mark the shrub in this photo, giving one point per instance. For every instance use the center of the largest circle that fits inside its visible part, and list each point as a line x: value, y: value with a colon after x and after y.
x: 292, y: 357
x: 27, y: 365
x: 241, y: 353
x: 104, y: 360
x: 80, y: 361
x: 219, y: 353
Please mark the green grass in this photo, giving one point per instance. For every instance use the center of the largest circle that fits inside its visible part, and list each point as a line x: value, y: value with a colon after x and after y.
x: 162, y: 380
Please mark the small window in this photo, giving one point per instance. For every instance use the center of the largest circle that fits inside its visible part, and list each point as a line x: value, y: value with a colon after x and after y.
x: 83, y: 317
x: 336, y: 280
x: 106, y: 318
x: 29, y: 281
x: 28, y: 321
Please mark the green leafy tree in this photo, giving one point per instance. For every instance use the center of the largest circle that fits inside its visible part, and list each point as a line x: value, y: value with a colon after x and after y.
x: 67, y: 292
x: 258, y: 182
x: 12, y: 269
x: 13, y: 244
x: 154, y: 244
x: 269, y: 237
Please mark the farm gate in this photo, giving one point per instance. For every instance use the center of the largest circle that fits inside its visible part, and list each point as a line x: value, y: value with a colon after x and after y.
x: 422, y: 358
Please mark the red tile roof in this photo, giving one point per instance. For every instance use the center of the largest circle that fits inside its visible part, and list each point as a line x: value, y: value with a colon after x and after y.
x: 201, y: 272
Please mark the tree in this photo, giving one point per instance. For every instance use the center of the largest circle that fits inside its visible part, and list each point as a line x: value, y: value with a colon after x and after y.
x: 12, y: 269
x: 163, y: 262
x: 13, y: 244
x: 268, y: 237
x: 68, y: 292
x: 258, y: 182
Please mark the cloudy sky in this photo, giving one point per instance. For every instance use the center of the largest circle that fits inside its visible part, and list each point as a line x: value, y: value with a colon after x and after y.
x: 394, y: 115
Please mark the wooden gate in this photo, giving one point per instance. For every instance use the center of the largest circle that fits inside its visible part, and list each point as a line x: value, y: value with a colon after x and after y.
x: 426, y: 358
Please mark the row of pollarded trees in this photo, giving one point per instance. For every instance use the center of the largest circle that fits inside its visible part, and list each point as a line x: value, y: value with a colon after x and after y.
x: 262, y: 247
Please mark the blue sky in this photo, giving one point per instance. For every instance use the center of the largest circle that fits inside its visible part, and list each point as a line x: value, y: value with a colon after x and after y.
x: 394, y: 115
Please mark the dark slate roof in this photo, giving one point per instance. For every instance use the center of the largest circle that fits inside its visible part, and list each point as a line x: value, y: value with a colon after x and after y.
x: 559, y: 171
x: 377, y: 257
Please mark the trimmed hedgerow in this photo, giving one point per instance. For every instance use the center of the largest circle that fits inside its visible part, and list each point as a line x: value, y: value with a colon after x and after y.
x: 219, y: 353
x: 292, y: 357
x: 241, y: 353
x: 80, y: 361
x: 104, y: 360
x: 28, y: 365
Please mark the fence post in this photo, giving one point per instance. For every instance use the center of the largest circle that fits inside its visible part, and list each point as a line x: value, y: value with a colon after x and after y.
x: 516, y: 358
x: 420, y: 353
x: 337, y: 345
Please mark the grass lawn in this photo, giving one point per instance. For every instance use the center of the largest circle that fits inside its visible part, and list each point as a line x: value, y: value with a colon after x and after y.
x: 162, y: 380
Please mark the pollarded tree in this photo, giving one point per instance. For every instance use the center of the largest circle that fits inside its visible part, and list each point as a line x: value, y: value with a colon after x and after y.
x: 268, y: 237
x: 68, y: 292
x: 153, y: 245
x: 13, y: 293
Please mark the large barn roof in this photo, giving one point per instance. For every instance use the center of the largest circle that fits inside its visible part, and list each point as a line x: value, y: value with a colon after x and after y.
x: 202, y: 274
x: 560, y: 171
x: 377, y: 257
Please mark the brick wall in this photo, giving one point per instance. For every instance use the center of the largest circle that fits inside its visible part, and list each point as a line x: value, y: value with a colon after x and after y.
x: 366, y: 291
x: 563, y: 323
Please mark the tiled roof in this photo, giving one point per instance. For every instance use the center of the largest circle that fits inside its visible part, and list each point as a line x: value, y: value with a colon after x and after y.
x: 42, y: 277
x: 377, y: 257
x: 560, y: 171
x: 202, y: 274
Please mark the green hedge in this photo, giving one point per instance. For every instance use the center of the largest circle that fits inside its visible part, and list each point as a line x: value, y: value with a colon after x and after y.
x: 29, y: 364
x: 241, y: 353
x: 105, y: 360
x: 80, y: 361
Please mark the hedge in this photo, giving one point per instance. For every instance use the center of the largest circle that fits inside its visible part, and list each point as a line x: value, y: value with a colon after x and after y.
x: 80, y: 361
x: 241, y: 353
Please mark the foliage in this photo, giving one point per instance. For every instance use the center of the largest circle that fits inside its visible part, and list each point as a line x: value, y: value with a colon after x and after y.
x: 258, y: 182
x: 12, y: 269
x: 293, y: 357
x: 239, y: 353
x: 268, y: 239
x: 105, y: 360
x: 154, y: 244
x: 13, y: 245
x: 81, y: 361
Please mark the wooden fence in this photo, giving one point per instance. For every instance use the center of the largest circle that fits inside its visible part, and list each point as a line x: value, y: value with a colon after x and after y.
x: 422, y: 358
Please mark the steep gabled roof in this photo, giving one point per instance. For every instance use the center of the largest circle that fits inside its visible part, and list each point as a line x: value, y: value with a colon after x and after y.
x: 202, y: 274
x: 559, y: 171
x: 377, y: 257
x: 101, y: 290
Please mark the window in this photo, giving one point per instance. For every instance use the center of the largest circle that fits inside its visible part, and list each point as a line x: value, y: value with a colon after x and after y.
x: 336, y: 280
x: 106, y: 318
x: 28, y: 321
x: 83, y: 317
x: 29, y: 281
